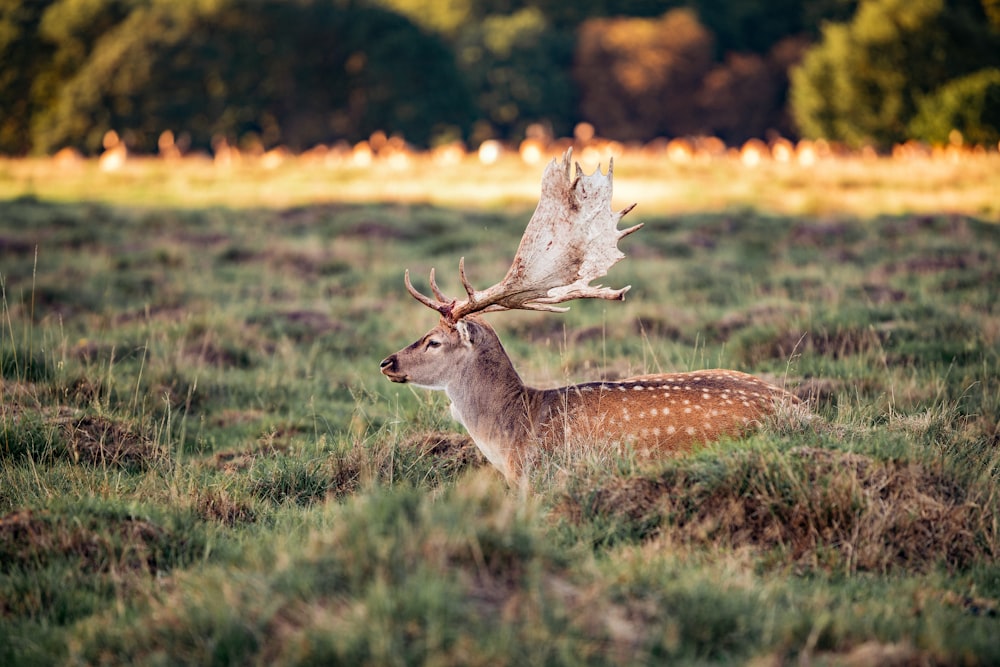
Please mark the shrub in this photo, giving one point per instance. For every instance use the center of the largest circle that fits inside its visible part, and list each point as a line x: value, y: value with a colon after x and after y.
x: 970, y: 104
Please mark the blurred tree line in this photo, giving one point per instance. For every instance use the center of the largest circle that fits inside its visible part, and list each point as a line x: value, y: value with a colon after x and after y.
x: 302, y: 72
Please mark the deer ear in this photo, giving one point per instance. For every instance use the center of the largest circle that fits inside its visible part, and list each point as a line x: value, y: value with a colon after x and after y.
x: 467, y: 332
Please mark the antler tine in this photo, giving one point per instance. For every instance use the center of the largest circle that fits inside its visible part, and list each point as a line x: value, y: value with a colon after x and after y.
x: 442, y: 305
x: 437, y: 292
x: 469, y: 289
x: 625, y: 211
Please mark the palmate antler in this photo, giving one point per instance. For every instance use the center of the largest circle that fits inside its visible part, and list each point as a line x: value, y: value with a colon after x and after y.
x: 571, y: 239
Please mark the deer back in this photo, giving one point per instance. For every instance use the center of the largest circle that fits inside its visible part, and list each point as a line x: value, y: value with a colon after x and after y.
x: 666, y: 412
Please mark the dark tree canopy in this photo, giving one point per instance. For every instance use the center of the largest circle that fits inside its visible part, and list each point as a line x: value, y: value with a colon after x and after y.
x: 864, y: 82
x: 296, y: 73
x: 301, y: 72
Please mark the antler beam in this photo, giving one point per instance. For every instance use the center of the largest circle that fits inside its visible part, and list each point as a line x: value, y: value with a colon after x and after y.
x: 571, y: 240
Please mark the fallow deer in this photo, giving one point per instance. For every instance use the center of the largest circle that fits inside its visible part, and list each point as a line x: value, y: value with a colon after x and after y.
x: 571, y: 240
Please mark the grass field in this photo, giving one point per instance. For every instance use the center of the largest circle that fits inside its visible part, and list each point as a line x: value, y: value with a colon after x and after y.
x: 201, y: 464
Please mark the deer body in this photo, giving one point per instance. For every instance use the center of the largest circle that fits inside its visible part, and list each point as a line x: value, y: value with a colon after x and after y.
x: 571, y: 240
x: 654, y: 414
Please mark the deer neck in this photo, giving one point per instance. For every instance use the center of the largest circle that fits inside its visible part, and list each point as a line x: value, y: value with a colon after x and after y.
x: 495, y: 407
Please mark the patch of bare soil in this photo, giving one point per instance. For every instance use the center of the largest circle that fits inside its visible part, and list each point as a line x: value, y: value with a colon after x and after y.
x: 823, y: 509
x: 817, y: 390
x: 453, y: 451
x: 760, y: 315
x: 301, y: 325
x: 220, y: 355
x: 217, y: 505
x: 543, y: 331
x: 872, y: 654
x: 31, y: 539
x: 236, y: 461
x: 935, y: 262
x: 786, y: 343
x: 98, y: 440
x: 880, y: 294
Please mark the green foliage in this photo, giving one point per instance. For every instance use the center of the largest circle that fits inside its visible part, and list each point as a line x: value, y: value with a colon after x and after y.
x: 24, y: 55
x: 862, y: 84
x: 517, y: 70
x: 970, y: 104
x: 303, y: 72
x: 296, y: 73
x: 447, y: 18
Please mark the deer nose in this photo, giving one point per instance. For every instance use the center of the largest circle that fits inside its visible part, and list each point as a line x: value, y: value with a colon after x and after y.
x: 388, y: 364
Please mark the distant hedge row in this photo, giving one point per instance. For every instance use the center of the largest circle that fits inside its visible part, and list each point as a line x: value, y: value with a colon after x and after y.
x: 303, y: 72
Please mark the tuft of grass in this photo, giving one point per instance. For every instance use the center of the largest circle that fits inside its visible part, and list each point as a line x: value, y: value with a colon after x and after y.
x: 24, y: 366
x: 68, y: 561
x: 27, y: 438
x: 804, y: 507
x: 397, y: 578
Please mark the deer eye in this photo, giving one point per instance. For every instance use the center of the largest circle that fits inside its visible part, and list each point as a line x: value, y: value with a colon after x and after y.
x: 433, y: 342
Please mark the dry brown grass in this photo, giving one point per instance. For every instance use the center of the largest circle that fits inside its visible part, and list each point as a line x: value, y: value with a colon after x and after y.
x: 817, y: 508
x: 100, y: 440
x: 30, y: 539
x: 451, y: 452
x: 219, y: 505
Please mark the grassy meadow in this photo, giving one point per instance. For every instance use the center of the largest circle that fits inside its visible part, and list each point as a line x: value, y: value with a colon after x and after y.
x: 201, y: 464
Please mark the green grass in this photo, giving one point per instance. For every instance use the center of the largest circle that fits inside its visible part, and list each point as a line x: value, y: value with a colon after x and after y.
x: 201, y: 464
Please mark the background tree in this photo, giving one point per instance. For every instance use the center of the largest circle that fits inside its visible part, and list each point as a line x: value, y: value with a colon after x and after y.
x: 970, y: 104
x: 514, y: 61
x: 756, y: 26
x: 517, y: 70
x: 296, y: 73
x: 638, y: 78
x: 745, y: 95
x: 24, y: 55
x: 300, y: 72
x: 862, y: 83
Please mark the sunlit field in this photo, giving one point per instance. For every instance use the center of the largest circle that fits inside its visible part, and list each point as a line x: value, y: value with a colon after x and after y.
x: 662, y: 182
x: 200, y: 462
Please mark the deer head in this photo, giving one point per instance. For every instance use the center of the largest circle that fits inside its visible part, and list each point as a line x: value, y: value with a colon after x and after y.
x: 447, y: 354
x: 571, y: 240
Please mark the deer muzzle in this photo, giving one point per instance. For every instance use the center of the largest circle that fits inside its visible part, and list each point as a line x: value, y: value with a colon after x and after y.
x: 390, y: 369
